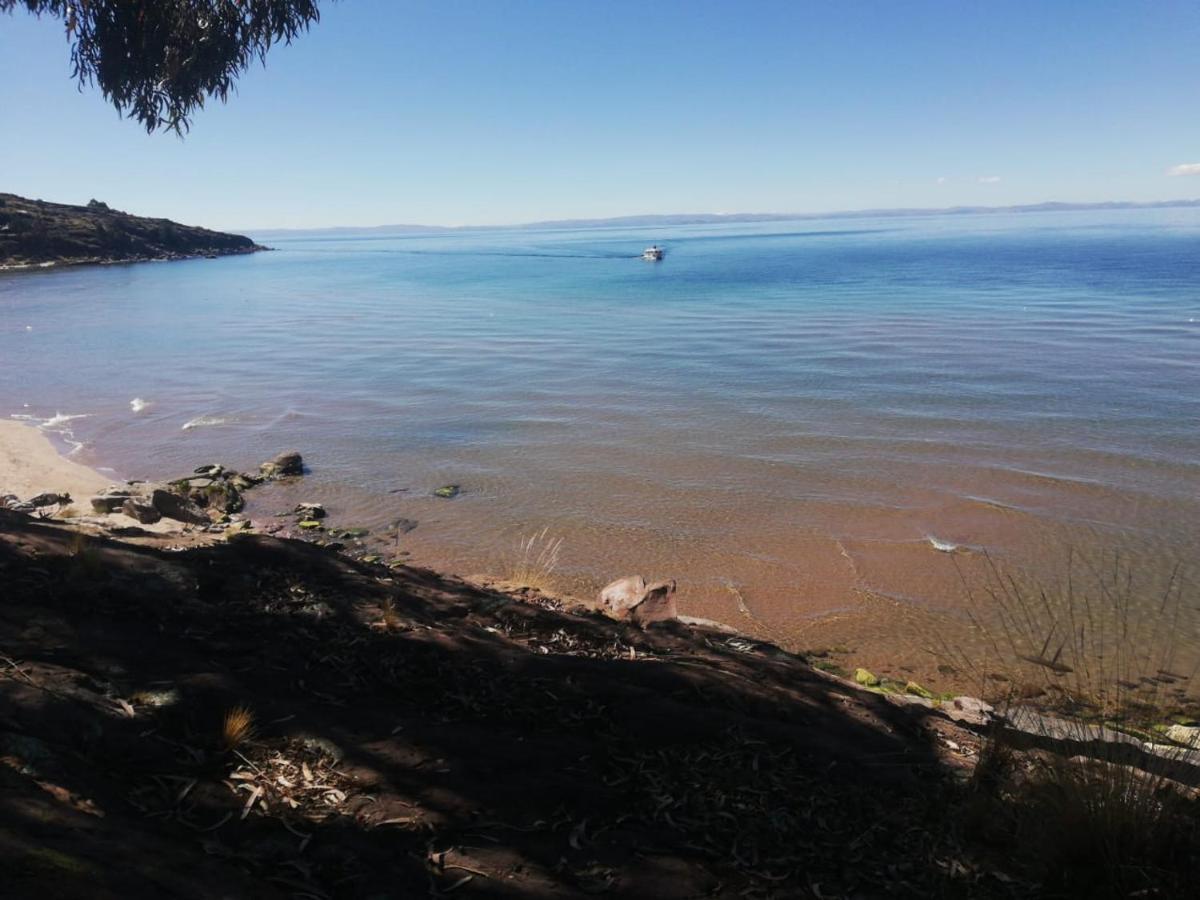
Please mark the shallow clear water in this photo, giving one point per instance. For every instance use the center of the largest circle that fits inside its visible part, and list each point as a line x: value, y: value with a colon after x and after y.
x: 804, y: 412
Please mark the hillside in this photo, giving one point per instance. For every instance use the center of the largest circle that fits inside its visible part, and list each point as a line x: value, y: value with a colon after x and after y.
x: 34, y: 232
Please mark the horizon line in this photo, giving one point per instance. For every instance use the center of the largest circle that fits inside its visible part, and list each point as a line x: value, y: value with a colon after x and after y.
x: 717, y: 218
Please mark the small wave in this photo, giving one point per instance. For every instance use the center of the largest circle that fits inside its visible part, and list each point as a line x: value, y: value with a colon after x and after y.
x: 202, y: 422
x: 58, y: 420
x: 137, y: 404
x: 943, y: 546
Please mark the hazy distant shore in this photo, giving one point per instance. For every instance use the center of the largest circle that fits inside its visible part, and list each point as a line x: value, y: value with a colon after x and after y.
x: 663, y: 220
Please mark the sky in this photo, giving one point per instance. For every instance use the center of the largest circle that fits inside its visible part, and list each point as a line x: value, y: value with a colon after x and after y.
x: 444, y: 112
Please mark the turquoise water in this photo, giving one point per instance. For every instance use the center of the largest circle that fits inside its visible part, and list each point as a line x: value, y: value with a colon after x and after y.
x: 805, y: 411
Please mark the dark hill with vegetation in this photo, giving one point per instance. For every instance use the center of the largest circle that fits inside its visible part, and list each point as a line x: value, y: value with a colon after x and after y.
x: 34, y: 232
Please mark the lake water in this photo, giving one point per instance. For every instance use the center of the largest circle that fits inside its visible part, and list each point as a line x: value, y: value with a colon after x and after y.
x: 799, y: 421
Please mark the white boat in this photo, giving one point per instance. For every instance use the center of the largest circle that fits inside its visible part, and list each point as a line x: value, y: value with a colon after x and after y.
x: 654, y: 253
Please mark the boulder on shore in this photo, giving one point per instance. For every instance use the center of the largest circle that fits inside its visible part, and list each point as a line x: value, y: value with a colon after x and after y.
x: 633, y: 599
x: 142, y: 509
x: 111, y: 500
x: 174, y: 506
x: 283, y: 465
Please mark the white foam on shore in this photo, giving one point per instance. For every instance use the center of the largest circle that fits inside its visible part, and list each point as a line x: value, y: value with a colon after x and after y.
x: 202, y: 422
x: 58, y: 420
x: 137, y: 404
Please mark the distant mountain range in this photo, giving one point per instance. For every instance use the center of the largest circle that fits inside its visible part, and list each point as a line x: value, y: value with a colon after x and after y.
x: 721, y: 218
x: 39, y: 233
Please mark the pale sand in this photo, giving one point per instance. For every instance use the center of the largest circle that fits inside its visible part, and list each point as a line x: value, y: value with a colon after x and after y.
x: 29, y: 465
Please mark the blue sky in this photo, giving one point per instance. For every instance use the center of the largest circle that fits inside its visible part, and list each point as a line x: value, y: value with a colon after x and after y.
x: 498, y: 111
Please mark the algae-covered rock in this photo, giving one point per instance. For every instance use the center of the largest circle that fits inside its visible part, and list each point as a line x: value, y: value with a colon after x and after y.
x: 917, y: 691
x: 354, y: 532
x: 309, y: 525
x: 865, y: 678
x: 448, y: 491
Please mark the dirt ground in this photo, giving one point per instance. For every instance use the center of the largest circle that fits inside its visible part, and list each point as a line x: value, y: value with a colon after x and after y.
x: 413, y: 735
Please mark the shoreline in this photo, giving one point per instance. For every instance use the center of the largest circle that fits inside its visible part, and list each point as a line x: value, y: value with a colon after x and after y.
x: 30, y: 463
x: 76, y: 261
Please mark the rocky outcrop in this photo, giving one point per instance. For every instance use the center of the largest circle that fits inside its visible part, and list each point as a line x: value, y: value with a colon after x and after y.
x: 631, y: 598
x: 210, y: 494
x: 35, y: 232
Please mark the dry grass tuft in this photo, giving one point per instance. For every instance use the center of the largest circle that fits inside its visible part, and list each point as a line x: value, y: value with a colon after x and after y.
x: 391, y: 619
x: 237, y: 728
x: 1092, y: 672
x: 537, y: 558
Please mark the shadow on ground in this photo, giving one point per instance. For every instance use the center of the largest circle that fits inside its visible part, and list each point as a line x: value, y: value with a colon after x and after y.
x: 416, y: 736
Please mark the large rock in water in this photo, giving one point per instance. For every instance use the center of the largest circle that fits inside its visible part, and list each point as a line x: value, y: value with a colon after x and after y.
x: 633, y: 599
x: 283, y: 465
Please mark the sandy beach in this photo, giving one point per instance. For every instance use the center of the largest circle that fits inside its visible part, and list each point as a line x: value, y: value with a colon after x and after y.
x: 30, y: 464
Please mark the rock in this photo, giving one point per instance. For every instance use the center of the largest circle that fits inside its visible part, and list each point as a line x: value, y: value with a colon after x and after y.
x: 371, y: 558
x: 448, y: 491
x: 624, y: 597
x: 172, y: 506
x: 865, y: 678
x: 354, y: 532
x: 1184, y: 734
x: 283, y: 465
x: 110, y: 501
x: 969, y: 710
x: 217, y: 496
x: 658, y: 606
x: 310, y: 510
x: 212, y: 470
x: 917, y: 691
x: 244, y: 482
x: 49, y: 499
x: 310, y: 525
x: 142, y: 509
